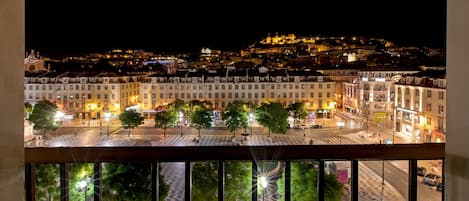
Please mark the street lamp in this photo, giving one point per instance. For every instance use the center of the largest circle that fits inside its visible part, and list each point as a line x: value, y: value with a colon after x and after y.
x: 83, y: 186
x: 107, y: 117
x: 340, y: 125
x: 264, y: 184
x: 59, y: 115
x: 251, y: 117
x: 180, y: 119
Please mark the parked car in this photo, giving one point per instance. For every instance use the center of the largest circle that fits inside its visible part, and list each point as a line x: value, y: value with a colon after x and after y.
x: 431, y: 179
x: 439, y: 186
x: 421, y: 171
x: 316, y: 126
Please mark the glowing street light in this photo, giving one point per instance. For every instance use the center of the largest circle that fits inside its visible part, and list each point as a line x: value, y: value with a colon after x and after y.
x: 340, y: 125
x: 180, y: 119
x: 264, y: 184
x: 107, y: 117
x: 83, y: 186
x: 59, y: 115
x: 251, y: 118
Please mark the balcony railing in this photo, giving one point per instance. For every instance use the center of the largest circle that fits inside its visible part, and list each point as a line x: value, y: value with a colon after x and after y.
x: 221, y: 154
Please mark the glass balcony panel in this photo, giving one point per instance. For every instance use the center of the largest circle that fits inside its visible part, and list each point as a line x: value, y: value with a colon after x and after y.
x: 238, y: 181
x: 172, y: 175
x: 47, y: 182
x: 205, y: 181
x: 429, y: 180
x: 376, y: 184
x: 127, y: 181
x: 271, y: 180
x: 304, y: 180
x: 337, y: 180
x: 80, y: 181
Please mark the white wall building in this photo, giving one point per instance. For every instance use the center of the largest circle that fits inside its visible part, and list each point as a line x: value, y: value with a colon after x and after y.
x: 81, y: 94
x: 421, y: 108
x: 376, y: 94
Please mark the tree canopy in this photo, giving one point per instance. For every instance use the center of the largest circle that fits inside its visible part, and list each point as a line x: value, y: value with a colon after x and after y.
x: 165, y: 119
x: 43, y: 116
x: 130, y: 119
x: 201, y: 117
x: 28, y: 109
x: 273, y: 116
x: 235, y: 116
x: 297, y: 110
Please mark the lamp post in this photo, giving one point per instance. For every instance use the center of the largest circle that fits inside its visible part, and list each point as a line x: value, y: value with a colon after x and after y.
x: 180, y: 119
x: 264, y: 184
x: 107, y: 117
x: 250, y: 120
x: 83, y: 186
x: 59, y: 115
x: 340, y: 125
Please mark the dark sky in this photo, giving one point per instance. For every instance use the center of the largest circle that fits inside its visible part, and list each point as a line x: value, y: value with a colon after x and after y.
x: 70, y: 27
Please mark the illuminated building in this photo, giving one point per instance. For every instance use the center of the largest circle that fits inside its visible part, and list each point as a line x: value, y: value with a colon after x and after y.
x: 82, y: 94
x: 376, y: 93
x: 253, y: 85
x: 421, y: 106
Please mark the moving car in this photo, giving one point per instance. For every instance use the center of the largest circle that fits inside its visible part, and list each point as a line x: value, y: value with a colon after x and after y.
x: 439, y: 186
x: 431, y: 179
x: 316, y: 126
x: 421, y: 171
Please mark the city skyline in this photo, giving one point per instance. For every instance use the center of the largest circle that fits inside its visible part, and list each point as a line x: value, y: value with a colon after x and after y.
x: 85, y: 27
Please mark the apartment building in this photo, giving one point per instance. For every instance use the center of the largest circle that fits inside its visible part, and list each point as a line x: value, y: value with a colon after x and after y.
x: 375, y: 94
x: 421, y: 106
x: 83, y: 94
x: 223, y: 86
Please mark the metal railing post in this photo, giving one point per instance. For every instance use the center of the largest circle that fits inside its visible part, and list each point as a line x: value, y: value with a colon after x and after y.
x: 63, y: 182
x: 98, y: 172
x: 254, y: 181
x: 355, y: 177
x: 221, y: 180
x: 155, y: 173
x: 188, y: 182
x: 320, y: 181
x: 412, y: 180
x: 287, y: 180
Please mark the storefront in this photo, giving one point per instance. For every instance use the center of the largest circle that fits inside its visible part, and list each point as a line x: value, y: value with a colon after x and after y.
x: 438, y: 137
x: 323, y: 114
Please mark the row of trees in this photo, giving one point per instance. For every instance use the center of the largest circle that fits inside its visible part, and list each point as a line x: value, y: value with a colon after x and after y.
x: 200, y: 113
x: 235, y: 115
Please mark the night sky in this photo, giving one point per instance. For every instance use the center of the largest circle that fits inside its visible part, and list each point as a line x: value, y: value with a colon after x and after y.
x: 74, y: 27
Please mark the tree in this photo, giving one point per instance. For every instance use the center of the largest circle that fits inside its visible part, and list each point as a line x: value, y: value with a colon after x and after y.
x: 165, y: 119
x: 179, y: 107
x: 235, y: 116
x: 298, y: 111
x: 273, y: 116
x: 28, y: 109
x: 130, y: 119
x: 201, y: 117
x: 43, y: 116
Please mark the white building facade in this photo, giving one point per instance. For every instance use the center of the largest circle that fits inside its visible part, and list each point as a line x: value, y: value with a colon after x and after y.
x: 421, y: 108
x: 83, y: 96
